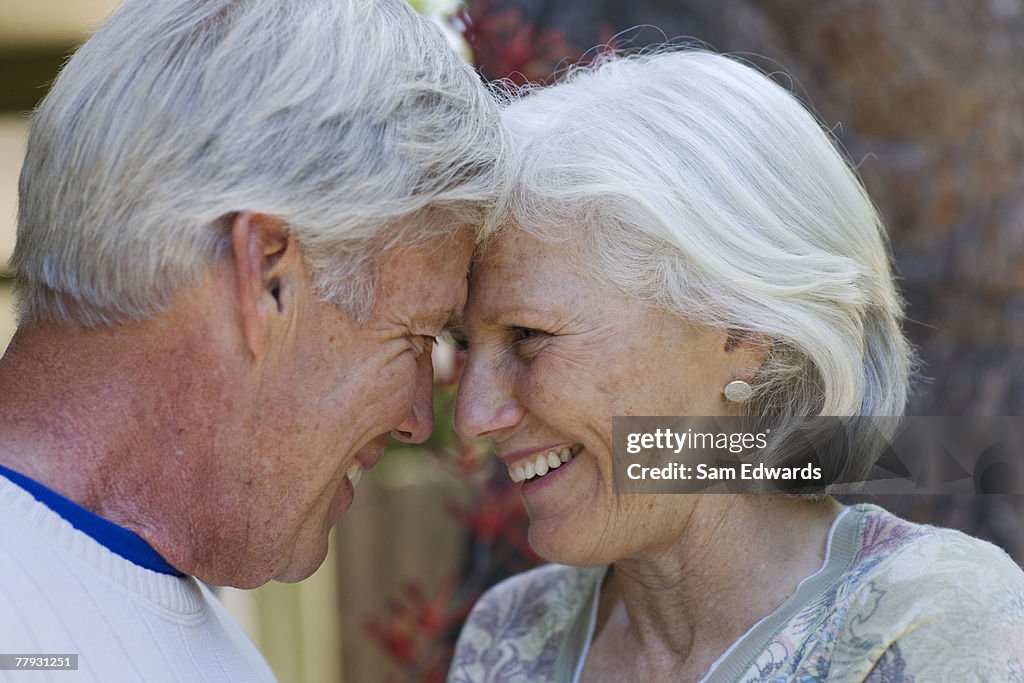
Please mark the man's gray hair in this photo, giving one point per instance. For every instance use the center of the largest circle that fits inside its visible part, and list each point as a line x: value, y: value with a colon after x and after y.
x: 341, y: 117
x: 696, y: 184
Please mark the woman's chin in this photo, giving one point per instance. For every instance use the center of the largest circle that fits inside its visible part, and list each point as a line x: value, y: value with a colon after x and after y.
x: 556, y: 541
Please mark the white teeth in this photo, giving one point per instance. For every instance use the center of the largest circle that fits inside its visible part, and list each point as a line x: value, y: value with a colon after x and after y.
x: 540, y: 465
x: 354, y: 474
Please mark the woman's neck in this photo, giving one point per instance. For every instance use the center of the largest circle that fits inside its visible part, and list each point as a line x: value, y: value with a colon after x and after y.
x: 676, y: 609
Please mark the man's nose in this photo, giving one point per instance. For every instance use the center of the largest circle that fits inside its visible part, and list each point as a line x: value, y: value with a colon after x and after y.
x: 484, y: 407
x: 419, y: 423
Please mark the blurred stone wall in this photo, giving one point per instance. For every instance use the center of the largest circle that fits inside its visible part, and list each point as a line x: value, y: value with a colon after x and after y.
x: 928, y: 99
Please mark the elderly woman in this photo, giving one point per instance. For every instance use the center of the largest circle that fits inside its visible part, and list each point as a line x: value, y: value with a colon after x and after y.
x: 681, y: 224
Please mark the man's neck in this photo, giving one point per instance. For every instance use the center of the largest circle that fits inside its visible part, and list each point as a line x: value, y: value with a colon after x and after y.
x: 89, y: 415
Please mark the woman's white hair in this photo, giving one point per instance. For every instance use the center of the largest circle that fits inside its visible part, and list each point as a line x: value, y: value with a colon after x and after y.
x: 696, y: 184
x: 342, y: 117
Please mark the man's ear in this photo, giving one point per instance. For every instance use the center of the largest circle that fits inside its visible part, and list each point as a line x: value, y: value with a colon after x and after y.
x: 266, y: 257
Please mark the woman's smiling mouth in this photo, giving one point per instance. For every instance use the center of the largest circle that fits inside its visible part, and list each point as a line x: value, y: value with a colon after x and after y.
x: 541, y: 463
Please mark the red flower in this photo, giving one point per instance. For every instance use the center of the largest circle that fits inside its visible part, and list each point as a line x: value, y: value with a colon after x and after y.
x: 416, y: 631
x: 395, y: 637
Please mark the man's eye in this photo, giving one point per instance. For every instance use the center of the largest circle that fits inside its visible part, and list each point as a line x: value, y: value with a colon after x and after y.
x: 421, y: 343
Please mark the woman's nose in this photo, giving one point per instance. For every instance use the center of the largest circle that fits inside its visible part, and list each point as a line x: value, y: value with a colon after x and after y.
x: 484, y: 406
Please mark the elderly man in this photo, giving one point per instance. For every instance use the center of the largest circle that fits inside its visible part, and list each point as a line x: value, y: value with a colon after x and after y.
x: 241, y: 226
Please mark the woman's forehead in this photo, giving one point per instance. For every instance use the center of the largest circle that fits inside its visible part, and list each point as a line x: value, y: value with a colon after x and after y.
x: 522, y: 264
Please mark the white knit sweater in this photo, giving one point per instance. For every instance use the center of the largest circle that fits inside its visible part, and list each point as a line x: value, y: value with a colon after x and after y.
x: 61, y: 592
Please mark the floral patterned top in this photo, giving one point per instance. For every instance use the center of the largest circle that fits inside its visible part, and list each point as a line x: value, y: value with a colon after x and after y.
x: 892, y: 602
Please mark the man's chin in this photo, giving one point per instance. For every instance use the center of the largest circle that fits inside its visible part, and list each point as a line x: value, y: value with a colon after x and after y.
x: 303, y: 567
x: 309, y: 555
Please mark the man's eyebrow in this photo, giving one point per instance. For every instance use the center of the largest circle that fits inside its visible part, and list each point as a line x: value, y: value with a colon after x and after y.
x: 442, y: 320
x: 455, y: 321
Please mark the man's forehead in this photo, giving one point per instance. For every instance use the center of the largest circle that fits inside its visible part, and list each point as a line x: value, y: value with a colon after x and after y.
x: 440, y: 261
x: 439, y: 301
x: 424, y: 284
x: 437, y: 228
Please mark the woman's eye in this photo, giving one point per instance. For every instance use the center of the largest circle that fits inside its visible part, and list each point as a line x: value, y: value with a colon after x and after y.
x: 456, y: 338
x: 526, y: 334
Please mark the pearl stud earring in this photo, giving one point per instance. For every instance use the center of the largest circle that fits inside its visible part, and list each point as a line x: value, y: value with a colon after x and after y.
x: 738, y: 391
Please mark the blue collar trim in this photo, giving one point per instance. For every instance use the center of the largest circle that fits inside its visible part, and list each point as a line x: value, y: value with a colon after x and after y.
x: 117, y: 539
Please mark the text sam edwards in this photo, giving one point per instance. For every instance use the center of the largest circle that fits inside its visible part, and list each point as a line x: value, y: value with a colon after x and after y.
x: 745, y: 471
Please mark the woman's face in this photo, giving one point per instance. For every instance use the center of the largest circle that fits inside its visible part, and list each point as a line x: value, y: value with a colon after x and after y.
x: 553, y: 355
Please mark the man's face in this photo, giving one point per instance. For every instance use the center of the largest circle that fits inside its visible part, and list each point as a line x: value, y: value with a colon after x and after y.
x: 329, y: 398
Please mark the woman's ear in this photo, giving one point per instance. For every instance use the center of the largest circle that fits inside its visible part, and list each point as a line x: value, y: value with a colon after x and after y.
x: 748, y: 351
x: 267, y: 260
